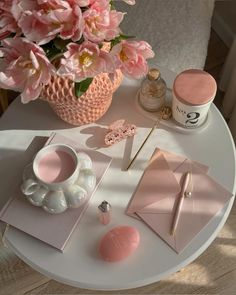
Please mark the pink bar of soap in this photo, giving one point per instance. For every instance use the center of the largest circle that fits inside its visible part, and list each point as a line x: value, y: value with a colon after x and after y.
x: 119, y: 243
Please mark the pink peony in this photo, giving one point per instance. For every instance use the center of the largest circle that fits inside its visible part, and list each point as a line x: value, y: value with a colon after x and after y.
x: 130, y: 2
x: 85, y: 60
x: 42, y: 20
x: 101, y: 23
x: 131, y: 57
x: 83, y: 3
x: 100, y: 5
x: 24, y: 67
x: 7, y: 22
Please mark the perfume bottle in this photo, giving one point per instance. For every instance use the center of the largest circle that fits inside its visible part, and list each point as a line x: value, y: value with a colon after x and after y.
x: 153, y: 91
x: 104, y: 212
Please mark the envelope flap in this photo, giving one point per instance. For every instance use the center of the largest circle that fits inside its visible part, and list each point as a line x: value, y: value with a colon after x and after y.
x: 157, y: 182
x: 176, y: 160
x: 173, y: 160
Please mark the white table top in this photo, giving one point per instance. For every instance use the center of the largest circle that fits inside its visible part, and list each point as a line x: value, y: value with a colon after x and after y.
x: 80, y: 265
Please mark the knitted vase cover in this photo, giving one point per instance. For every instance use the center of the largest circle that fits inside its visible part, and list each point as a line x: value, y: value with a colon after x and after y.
x: 90, y: 106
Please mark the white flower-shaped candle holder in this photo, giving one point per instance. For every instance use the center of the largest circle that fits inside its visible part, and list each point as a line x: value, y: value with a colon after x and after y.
x: 58, y: 179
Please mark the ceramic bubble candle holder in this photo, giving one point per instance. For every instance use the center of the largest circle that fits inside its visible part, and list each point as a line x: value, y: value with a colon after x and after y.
x: 193, y: 93
x: 58, y: 179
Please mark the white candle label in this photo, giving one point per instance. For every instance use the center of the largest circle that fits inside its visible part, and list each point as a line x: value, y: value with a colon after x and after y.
x: 189, y: 116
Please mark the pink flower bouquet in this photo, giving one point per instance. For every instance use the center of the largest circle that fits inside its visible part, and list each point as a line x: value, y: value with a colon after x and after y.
x: 35, y: 33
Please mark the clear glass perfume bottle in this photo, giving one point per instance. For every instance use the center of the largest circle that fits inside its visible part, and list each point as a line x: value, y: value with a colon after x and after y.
x: 153, y: 91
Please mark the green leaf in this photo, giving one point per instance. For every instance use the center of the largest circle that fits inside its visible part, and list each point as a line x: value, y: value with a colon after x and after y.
x: 52, y: 54
x: 125, y: 37
x: 60, y: 44
x: 115, y: 41
x: 112, y: 5
x: 50, y: 50
x: 80, y: 41
x: 81, y: 87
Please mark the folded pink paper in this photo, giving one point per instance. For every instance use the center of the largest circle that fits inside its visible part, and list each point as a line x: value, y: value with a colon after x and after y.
x: 157, y: 195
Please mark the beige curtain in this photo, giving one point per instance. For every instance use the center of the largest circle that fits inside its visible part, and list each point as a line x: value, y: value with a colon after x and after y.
x: 3, y: 99
x: 228, y: 85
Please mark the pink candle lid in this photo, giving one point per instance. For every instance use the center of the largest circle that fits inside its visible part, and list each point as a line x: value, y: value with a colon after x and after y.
x: 194, y: 87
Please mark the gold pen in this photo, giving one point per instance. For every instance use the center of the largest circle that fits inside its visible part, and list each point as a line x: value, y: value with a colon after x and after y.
x: 164, y: 115
x: 187, y: 179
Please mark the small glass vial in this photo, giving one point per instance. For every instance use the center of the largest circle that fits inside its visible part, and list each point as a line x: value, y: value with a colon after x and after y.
x: 104, y: 212
x: 153, y: 91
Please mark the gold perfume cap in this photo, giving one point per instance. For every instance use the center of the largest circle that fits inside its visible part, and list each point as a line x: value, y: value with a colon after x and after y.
x: 153, y: 74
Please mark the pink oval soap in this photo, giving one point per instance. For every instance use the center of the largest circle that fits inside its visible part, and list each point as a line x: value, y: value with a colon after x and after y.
x: 119, y: 243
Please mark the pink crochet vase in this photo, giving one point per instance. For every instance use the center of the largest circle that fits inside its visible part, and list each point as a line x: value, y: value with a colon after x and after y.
x: 89, y: 107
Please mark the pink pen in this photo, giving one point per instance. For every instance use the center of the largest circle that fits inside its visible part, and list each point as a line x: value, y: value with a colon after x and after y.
x: 183, y: 194
x: 104, y: 211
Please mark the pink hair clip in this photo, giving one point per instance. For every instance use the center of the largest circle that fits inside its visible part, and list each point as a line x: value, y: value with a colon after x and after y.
x: 118, y: 131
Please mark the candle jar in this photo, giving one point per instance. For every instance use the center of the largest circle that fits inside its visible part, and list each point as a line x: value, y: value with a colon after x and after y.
x: 153, y: 91
x: 193, y: 93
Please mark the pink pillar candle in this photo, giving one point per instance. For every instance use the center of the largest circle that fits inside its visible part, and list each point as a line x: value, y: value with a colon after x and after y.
x: 193, y: 92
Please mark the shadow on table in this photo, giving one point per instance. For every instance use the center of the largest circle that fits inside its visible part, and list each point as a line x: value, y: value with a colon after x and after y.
x: 38, y: 115
x: 12, y: 163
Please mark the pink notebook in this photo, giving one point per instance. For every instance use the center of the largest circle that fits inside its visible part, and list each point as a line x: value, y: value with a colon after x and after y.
x: 54, y: 230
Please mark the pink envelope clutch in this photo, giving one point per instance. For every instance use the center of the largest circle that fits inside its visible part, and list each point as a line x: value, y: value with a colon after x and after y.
x: 156, y: 197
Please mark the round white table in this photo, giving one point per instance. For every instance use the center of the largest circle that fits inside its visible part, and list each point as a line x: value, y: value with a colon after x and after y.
x: 80, y: 264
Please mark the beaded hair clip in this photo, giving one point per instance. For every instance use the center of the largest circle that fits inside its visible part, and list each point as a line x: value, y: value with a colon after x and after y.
x: 118, y: 131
